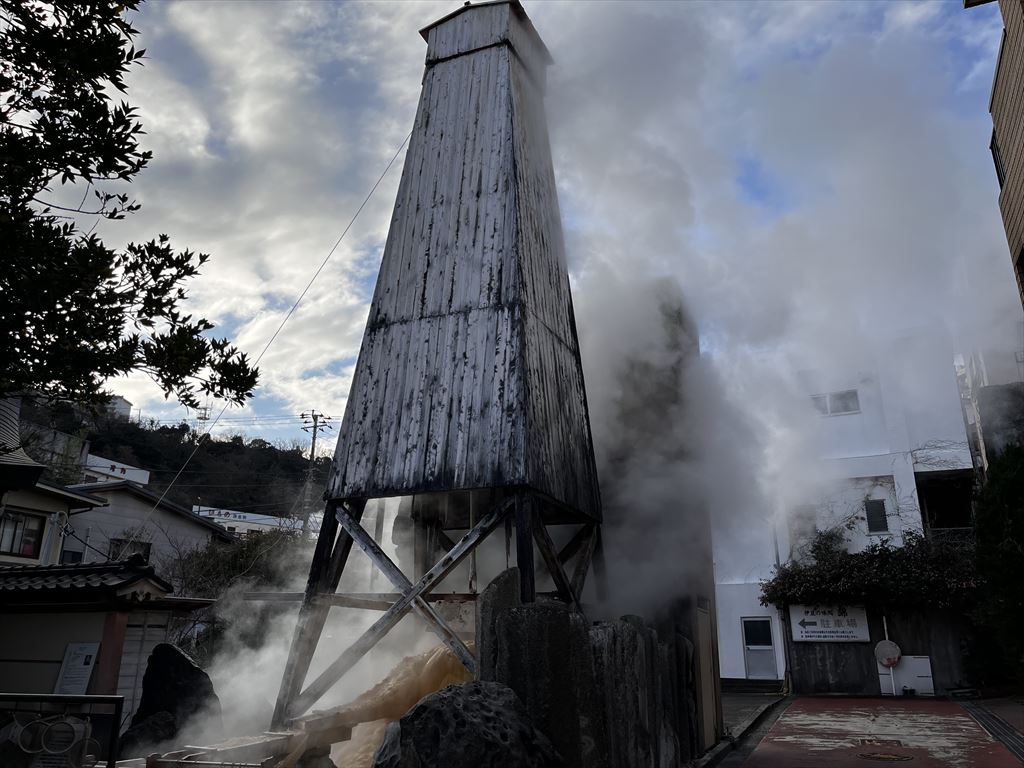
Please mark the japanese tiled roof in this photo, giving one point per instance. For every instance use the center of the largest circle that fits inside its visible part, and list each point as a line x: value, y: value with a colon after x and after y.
x: 68, y: 581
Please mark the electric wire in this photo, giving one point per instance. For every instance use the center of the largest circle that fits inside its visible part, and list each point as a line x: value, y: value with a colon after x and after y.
x: 274, y: 336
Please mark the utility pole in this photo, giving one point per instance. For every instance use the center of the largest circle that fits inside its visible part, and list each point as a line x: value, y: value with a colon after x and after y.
x: 313, y: 423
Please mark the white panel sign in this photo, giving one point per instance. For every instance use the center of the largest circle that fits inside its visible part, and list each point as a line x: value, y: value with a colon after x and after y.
x: 829, y: 623
x: 79, y: 659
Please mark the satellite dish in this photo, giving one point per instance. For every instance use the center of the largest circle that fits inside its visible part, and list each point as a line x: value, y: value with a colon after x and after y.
x: 887, y: 653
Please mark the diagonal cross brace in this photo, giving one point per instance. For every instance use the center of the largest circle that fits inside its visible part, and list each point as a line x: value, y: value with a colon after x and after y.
x: 401, y: 582
x: 547, y: 551
x: 391, y: 617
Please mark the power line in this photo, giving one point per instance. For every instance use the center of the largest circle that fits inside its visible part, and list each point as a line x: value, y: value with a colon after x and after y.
x: 273, y: 337
x: 67, y: 530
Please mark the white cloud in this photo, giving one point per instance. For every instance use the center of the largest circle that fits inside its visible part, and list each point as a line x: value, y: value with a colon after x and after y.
x: 270, y: 121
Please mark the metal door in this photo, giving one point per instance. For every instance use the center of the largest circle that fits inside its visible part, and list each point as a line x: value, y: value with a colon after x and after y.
x: 758, y: 649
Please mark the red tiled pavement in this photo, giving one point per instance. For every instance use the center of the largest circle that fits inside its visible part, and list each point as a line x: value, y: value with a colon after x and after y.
x: 827, y: 732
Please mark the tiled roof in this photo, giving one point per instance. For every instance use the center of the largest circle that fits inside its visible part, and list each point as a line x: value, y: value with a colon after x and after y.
x: 69, y: 581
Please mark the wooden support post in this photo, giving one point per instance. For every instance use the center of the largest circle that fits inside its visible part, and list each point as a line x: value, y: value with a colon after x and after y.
x: 547, y: 551
x: 378, y: 532
x: 600, y: 575
x: 384, y: 624
x: 579, y: 573
x: 329, y: 558
x: 524, y: 547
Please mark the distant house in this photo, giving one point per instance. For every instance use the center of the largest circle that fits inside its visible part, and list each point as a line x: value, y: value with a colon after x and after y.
x: 31, y: 520
x: 136, y: 521
x: 112, y: 613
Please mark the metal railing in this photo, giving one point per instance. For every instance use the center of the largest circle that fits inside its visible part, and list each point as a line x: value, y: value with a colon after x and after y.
x: 61, y: 731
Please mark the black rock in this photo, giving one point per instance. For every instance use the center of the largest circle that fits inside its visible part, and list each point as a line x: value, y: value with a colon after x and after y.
x: 472, y: 725
x: 174, y: 690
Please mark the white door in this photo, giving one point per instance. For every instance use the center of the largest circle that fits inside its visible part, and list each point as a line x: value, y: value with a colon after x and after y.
x: 758, y: 649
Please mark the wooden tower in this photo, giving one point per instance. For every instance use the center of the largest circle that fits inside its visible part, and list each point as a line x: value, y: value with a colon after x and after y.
x: 468, y: 393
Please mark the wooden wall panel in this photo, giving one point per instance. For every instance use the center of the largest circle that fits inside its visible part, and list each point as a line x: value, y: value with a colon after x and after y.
x: 1008, y: 120
x: 469, y: 373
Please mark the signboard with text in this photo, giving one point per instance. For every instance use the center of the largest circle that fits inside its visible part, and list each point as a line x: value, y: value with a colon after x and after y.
x: 829, y: 623
x: 75, y: 672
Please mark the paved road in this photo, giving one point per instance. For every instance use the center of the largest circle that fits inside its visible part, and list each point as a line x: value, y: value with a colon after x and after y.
x: 833, y: 732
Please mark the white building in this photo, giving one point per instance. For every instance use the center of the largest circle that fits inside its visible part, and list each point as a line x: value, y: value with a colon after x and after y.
x: 241, y: 524
x: 890, y: 434
x: 135, y: 520
x: 100, y: 470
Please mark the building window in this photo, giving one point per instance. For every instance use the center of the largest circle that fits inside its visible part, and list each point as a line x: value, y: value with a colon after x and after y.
x: 121, y: 549
x: 21, y: 535
x: 69, y: 557
x: 997, y: 158
x: 837, y: 403
x: 877, y: 521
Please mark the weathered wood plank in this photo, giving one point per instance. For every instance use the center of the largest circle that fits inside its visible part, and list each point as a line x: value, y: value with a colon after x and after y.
x: 469, y: 372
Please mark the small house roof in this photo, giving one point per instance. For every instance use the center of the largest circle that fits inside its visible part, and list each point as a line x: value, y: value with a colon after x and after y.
x: 34, y: 583
x: 70, y: 494
x: 103, y: 489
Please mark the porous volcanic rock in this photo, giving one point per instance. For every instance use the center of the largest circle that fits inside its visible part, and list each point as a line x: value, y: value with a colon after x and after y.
x: 472, y: 725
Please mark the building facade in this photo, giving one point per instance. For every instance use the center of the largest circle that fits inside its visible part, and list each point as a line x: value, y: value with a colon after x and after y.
x: 243, y: 524
x: 894, y: 459
x: 1007, y: 109
x: 136, y: 521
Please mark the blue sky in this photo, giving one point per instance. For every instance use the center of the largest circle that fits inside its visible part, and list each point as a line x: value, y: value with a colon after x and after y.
x: 799, y: 168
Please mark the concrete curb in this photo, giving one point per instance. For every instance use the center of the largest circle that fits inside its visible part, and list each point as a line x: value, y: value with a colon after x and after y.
x: 715, y: 755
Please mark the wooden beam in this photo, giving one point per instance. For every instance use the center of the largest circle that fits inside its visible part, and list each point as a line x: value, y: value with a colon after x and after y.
x: 378, y: 532
x: 600, y: 575
x: 579, y: 573
x: 547, y: 551
x: 524, y: 547
x: 383, y: 625
x: 329, y: 558
x: 372, y: 601
x: 574, y: 544
x: 401, y: 581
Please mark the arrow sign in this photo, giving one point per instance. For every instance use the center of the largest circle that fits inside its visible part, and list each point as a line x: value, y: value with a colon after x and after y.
x: 829, y: 624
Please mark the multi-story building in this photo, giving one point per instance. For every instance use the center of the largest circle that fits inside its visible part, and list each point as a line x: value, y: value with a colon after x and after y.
x: 893, y: 457
x: 1007, y: 109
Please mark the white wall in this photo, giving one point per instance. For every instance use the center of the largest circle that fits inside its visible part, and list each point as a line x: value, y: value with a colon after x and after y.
x: 169, y: 534
x: 910, y: 420
x: 736, y: 602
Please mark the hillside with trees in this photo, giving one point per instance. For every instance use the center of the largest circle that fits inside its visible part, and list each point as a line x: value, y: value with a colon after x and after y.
x: 236, y: 472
